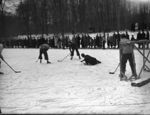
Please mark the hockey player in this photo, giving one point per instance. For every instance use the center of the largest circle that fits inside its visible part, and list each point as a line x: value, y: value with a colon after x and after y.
x: 43, y: 50
x: 1, y: 56
x: 74, y: 46
x: 126, y: 53
x: 89, y: 60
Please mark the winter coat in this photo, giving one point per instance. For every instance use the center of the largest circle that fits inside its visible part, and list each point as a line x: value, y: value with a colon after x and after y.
x: 139, y: 36
x: 126, y: 46
x: 90, y: 60
x: 143, y: 36
x: 44, y: 47
x: 72, y: 45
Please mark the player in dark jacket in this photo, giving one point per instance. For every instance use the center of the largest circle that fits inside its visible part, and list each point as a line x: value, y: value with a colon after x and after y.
x: 74, y: 46
x: 43, y: 50
x: 89, y: 60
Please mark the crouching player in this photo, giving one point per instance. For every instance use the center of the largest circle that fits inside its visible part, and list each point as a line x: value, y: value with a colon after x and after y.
x: 43, y: 50
x: 126, y: 53
x: 89, y: 60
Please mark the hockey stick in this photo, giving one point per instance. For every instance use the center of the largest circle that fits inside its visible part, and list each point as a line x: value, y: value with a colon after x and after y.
x: 11, y: 67
x: 63, y: 58
x: 115, y: 69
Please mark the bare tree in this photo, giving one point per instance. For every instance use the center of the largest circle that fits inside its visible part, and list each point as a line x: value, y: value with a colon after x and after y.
x: 2, y: 19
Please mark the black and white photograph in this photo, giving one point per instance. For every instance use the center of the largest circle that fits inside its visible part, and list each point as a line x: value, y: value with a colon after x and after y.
x: 74, y: 56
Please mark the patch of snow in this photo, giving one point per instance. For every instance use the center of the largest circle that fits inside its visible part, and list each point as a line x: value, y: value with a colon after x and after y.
x: 69, y: 86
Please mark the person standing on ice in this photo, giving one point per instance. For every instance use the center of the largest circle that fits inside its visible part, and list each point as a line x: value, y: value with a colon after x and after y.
x: 43, y: 50
x: 127, y: 53
x: 73, y: 46
x: 89, y: 60
x: 1, y: 56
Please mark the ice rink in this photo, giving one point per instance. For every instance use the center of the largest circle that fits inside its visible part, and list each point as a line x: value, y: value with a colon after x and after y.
x: 69, y: 86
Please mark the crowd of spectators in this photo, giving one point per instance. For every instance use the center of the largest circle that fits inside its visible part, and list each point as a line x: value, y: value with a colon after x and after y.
x: 99, y: 41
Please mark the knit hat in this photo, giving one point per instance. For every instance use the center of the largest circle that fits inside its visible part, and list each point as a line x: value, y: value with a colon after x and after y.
x: 82, y: 54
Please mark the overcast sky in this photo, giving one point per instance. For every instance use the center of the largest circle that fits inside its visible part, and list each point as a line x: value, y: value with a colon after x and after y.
x: 11, y: 5
x: 140, y: 0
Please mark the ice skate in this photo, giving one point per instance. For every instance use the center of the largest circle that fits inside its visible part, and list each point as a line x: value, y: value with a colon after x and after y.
x: 123, y: 77
x: 1, y: 73
x: 48, y: 62
x: 133, y: 77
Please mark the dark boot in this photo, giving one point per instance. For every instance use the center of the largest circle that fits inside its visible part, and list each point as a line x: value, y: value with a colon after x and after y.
x: 1, y: 73
x: 98, y: 62
x: 133, y: 77
x: 71, y: 57
x: 48, y: 62
x: 40, y: 61
x: 123, y: 77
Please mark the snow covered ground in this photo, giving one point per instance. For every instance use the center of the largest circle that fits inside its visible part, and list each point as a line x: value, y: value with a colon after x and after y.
x: 69, y: 86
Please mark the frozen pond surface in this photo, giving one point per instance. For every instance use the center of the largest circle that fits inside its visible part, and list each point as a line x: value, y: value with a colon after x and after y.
x: 69, y: 86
